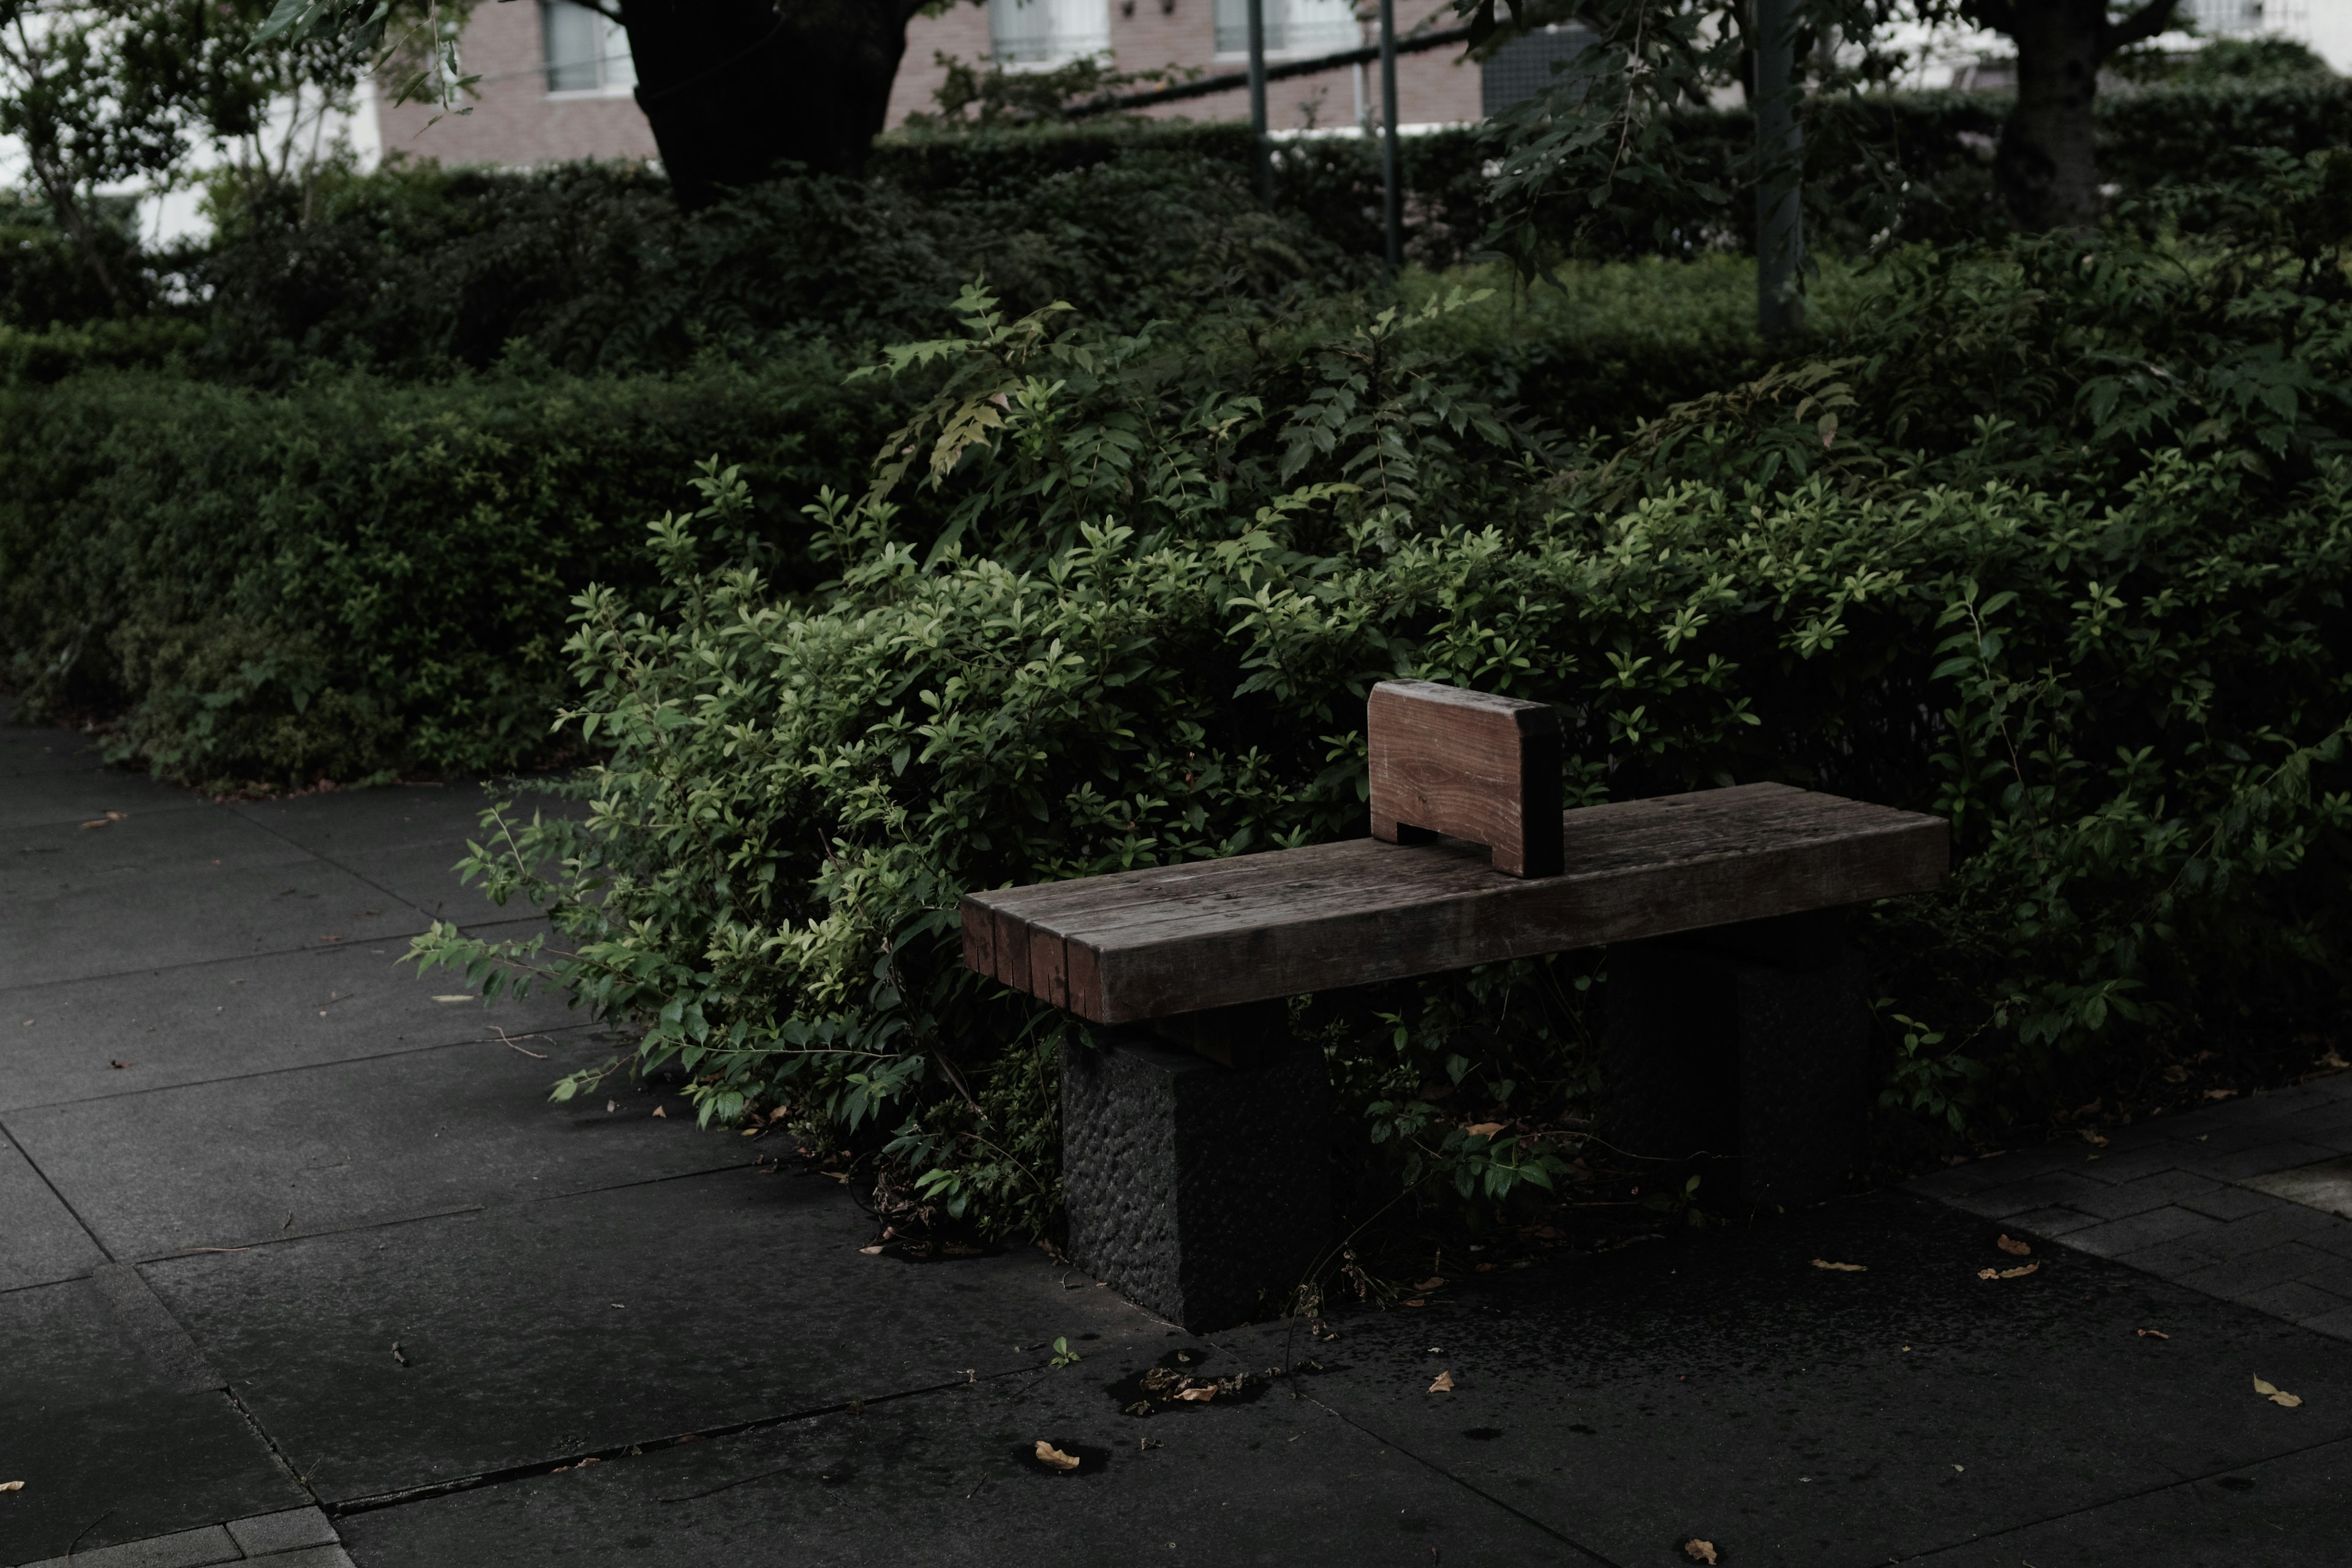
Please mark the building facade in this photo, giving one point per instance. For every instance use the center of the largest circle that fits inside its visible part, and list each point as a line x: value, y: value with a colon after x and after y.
x: 555, y: 80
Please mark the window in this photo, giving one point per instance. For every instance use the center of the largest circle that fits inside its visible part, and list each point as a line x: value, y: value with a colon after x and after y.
x: 1047, y: 32
x: 1292, y: 27
x: 586, y: 51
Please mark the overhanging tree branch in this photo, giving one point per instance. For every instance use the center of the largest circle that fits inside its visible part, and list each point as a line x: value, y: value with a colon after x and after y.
x: 2142, y: 24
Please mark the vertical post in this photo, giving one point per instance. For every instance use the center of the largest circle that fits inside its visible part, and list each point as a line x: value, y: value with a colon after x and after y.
x: 1779, y: 204
x: 1391, y: 195
x: 1261, y: 155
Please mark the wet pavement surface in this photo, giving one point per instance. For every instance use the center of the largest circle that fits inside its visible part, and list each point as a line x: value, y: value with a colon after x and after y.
x: 298, y: 1265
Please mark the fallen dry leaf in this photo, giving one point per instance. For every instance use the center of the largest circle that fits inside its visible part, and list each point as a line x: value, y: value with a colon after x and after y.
x: 2334, y: 1061
x: 2092, y: 1138
x: 2151, y: 1333
x: 2221, y: 1094
x: 660, y: 1113
x: 2176, y: 1073
x: 465, y: 996
x: 1049, y: 1455
x: 870, y: 1251
x: 2013, y: 1248
x: 12, y: 1485
x: 1435, y: 1282
x: 1443, y: 1383
x: 2276, y: 1395
x: 1483, y: 1129
x: 1699, y: 1550
x: 102, y: 821
x: 2007, y: 1273
x: 1199, y: 1394
x: 1841, y: 1268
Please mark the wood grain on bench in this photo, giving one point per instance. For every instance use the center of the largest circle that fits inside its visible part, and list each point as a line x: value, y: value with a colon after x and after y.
x: 1210, y: 933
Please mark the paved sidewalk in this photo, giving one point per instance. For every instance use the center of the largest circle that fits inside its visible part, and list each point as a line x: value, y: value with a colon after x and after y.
x: 298, y: 1265
x: 2250, y: 1201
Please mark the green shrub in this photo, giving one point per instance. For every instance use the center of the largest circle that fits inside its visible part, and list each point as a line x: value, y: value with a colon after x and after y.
x: 2052, y: 552
x: 416, y: 271
x: 351, y: 576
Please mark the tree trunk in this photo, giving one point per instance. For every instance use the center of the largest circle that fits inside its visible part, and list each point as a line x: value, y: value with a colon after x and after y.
x: 733, y: 88
x: 2048, y: 164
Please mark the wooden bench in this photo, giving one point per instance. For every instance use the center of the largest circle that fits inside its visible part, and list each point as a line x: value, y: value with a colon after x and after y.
x: 1196, y: 1139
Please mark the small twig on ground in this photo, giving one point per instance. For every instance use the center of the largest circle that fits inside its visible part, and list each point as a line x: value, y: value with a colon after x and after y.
x: 508, y: 1041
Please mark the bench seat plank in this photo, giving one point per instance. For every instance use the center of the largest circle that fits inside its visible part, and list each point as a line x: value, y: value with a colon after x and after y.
x: 1211, y: 933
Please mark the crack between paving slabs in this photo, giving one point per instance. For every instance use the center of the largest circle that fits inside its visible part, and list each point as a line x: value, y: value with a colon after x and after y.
x: 1471, y: 1487
x: 63, y: 1201
x: 1934, y: 1551
x: 329, y: 861
x: 485, y: 1479
x: 292, y: 1067
x: 451, y: 1213
x: 237, y: 1402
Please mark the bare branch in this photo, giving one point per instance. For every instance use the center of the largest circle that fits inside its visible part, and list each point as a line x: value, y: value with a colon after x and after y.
x: 2139, y: 26
x: 2001, y: 16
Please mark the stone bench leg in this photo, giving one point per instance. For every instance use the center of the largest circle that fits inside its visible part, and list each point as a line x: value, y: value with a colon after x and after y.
x: 1742, y: 1052
x: 1195, y: 1188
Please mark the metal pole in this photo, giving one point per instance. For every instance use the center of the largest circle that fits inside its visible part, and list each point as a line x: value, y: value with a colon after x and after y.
x: 1261, y: 155
x: 1780, y: 203
x: 1392, y: 197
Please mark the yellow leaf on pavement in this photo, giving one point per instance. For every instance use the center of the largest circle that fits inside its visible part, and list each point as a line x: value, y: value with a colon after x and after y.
x: 1444, y: 1384
x: 1841, y: 1268
x: 2276, y: 1395
x: 1049, y: 1455
x: 1699, y: 1550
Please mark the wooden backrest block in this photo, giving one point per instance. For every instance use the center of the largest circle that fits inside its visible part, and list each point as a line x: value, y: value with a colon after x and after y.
x: 1470, y: 765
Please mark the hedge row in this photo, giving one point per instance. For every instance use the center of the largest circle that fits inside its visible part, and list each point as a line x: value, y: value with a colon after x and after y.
x: 354, y: 575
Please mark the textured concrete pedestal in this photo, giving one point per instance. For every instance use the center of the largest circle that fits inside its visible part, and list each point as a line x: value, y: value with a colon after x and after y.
x: 1742, y: 1053
x: 1196, y: 1189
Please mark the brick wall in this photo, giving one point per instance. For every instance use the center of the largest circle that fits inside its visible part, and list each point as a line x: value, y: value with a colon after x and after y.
x: 1144, y: 34
x: 516, y: 121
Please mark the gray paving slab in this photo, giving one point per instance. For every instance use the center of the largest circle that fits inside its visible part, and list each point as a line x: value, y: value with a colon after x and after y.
x: 196, y: 1547
x: 176, y: 888
x: 27, y: 749
x: 2288, y: 1512
x: 2325, y: 1185
x: 99, y: 1422
x: 69, y: 796
x: 2236, y: 1278
x: 2261, y: 1232
x: 2230, y: 1203
x: 308, y: 1557
x: 2061, y: 1188
x: 407, y: 839
x: 258, y: 1159
x: 539, y: 1331
x: 41, y: 1242
x: 941, y: 1481
x: 233, y: 1017
x: 2138, y: 1232
x: 290, y: 1531
x: 1724, y: 1388
x: 2157, y: 1190
x: 2261, y: 1159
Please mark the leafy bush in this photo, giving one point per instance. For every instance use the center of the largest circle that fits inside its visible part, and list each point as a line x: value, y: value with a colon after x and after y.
x: 416, y: 271
x: 352, y: 576
x: 2056, y: 543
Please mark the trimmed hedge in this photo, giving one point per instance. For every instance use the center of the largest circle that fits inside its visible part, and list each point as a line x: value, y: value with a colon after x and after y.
x: 356, y: 575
